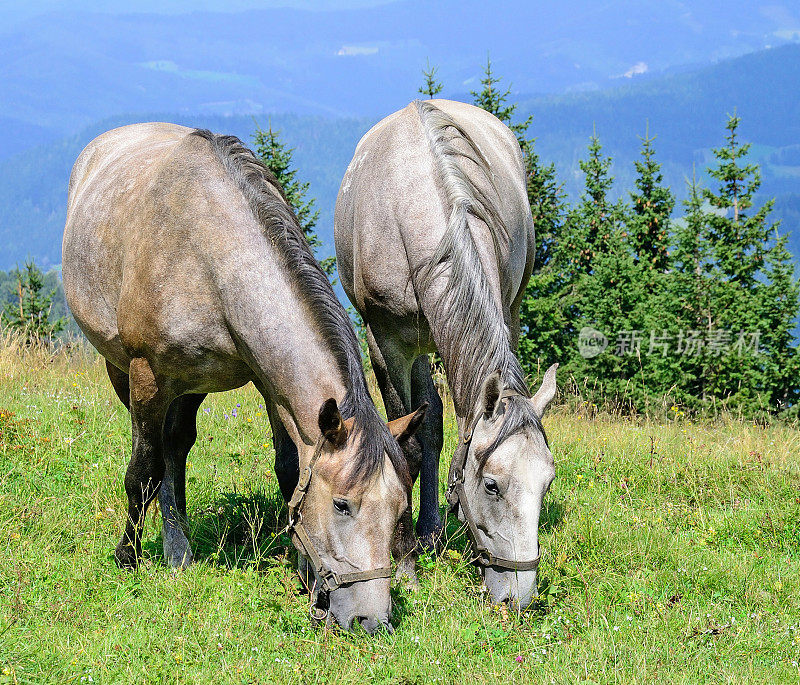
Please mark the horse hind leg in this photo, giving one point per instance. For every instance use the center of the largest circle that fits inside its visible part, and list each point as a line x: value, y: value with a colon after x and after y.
x: 150, y: 398
x: 179, y: 435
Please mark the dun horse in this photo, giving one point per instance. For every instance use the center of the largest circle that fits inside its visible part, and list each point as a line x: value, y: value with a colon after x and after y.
x: 187, y: 270
x: 435, y: 245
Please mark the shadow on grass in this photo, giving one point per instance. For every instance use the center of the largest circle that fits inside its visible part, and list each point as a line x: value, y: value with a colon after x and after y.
x: 237, y: 530
x: 551, y: 516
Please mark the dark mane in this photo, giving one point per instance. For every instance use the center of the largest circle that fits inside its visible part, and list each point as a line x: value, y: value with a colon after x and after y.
x: 268, y: 203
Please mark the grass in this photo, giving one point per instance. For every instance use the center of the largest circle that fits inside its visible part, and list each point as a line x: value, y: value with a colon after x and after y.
x: 672, y: 556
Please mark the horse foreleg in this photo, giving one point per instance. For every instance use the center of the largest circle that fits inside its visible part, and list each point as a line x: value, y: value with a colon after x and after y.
x: 149, y: 400
x: 287, y: 460
x: 431, y: 439
x: 391, y: 371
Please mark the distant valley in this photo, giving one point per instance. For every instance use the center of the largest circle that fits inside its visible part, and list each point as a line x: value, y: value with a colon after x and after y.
x: 686, y: 111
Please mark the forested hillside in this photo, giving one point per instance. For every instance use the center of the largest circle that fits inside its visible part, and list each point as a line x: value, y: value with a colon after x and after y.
x: 686, y: 113
x: 69, y: 67
x: 33, y: 185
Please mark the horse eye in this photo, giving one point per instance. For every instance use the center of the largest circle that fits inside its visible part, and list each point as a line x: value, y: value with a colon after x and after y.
x: 342, y: 507
x: 491, y: 486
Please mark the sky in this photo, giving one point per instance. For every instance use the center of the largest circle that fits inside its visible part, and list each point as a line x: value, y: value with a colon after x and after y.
x: 12, y: 11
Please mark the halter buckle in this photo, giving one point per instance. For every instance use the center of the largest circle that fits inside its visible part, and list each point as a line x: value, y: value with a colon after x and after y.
x: 318, y: 614
x: 484, y: 557
x: 328, y: 579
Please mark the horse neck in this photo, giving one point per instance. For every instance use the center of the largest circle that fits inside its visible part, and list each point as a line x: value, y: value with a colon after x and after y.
x: 299, y: 369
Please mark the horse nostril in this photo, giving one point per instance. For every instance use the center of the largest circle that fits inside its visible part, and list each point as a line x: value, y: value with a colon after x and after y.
x: 503, y: 597
x: 373, y: 624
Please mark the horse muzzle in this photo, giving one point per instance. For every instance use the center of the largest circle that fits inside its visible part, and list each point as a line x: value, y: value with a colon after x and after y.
x: 517, y: 588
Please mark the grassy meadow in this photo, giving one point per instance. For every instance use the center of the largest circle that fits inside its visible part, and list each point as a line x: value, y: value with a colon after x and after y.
x: 672, y: 555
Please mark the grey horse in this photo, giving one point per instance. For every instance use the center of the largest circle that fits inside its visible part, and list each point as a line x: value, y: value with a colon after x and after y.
x: 186, y: 268
x: 435, y: 245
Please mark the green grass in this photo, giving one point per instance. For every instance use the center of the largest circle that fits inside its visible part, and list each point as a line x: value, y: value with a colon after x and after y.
x: 671, y: 561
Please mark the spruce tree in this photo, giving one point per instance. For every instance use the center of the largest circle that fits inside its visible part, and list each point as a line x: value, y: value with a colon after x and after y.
x: 494, y: 100
x: 779, y: 305
x: 735, y: 289
x: 541, y: 323
x: 278, y: 158
x: 684, y: 305
x: 432, y: 86
x: 605, y: 286
x: 740, y: 236
x: 541, y: 326
x: 31, y: 313
x: 652, y: 205
x: 588, y: 224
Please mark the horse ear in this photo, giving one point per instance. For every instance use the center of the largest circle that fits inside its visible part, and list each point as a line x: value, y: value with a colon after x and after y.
x: 331, y: 424
x: 547, y: 392
x: 490, y: 395
x: 404, y: 427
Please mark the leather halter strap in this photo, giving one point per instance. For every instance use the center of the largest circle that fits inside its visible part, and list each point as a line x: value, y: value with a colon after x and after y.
x: 456, y: 497
x: 329, y: 580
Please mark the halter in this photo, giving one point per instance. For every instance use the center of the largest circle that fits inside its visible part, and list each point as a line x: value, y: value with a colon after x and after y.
x: 329, y: 580
x: 456, y: 497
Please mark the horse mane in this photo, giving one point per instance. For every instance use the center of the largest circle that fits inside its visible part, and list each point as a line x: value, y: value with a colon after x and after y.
x: 272, y: 210
x: 519, y: 415
x: 468, y: 325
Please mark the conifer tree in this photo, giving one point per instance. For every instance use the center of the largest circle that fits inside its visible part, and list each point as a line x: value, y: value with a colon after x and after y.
x: 740, y: 237
x: 734, y: 286
x: 278, y: 158
x: 683, y: 305
x: 589, y: 223
x: 31, y: 313
x: 432, y: 86
x: 605, y: 283
x: 541, y: 325
x: 652, y: 205
x: 494, y: 100
x: 541, y: 321
x: 780, y: 302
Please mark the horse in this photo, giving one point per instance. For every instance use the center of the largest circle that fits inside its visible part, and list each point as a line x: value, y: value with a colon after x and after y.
x: 187, y: 270
x: 435, y: 245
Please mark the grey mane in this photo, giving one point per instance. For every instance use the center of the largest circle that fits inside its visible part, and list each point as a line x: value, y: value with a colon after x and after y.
x: 280, y: 224
x: 518, y: 417
x: 469, y: 327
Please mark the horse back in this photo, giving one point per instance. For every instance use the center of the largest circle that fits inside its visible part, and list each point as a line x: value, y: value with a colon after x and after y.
x: 145, y: 235
x: 394, y: 209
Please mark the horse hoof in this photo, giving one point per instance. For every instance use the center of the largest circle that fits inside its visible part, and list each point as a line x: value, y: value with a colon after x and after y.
x: 126, y: 557
x: 180, y: 560
x: 431, y: 541
x: 406, y: 578
x: 178, y: 552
